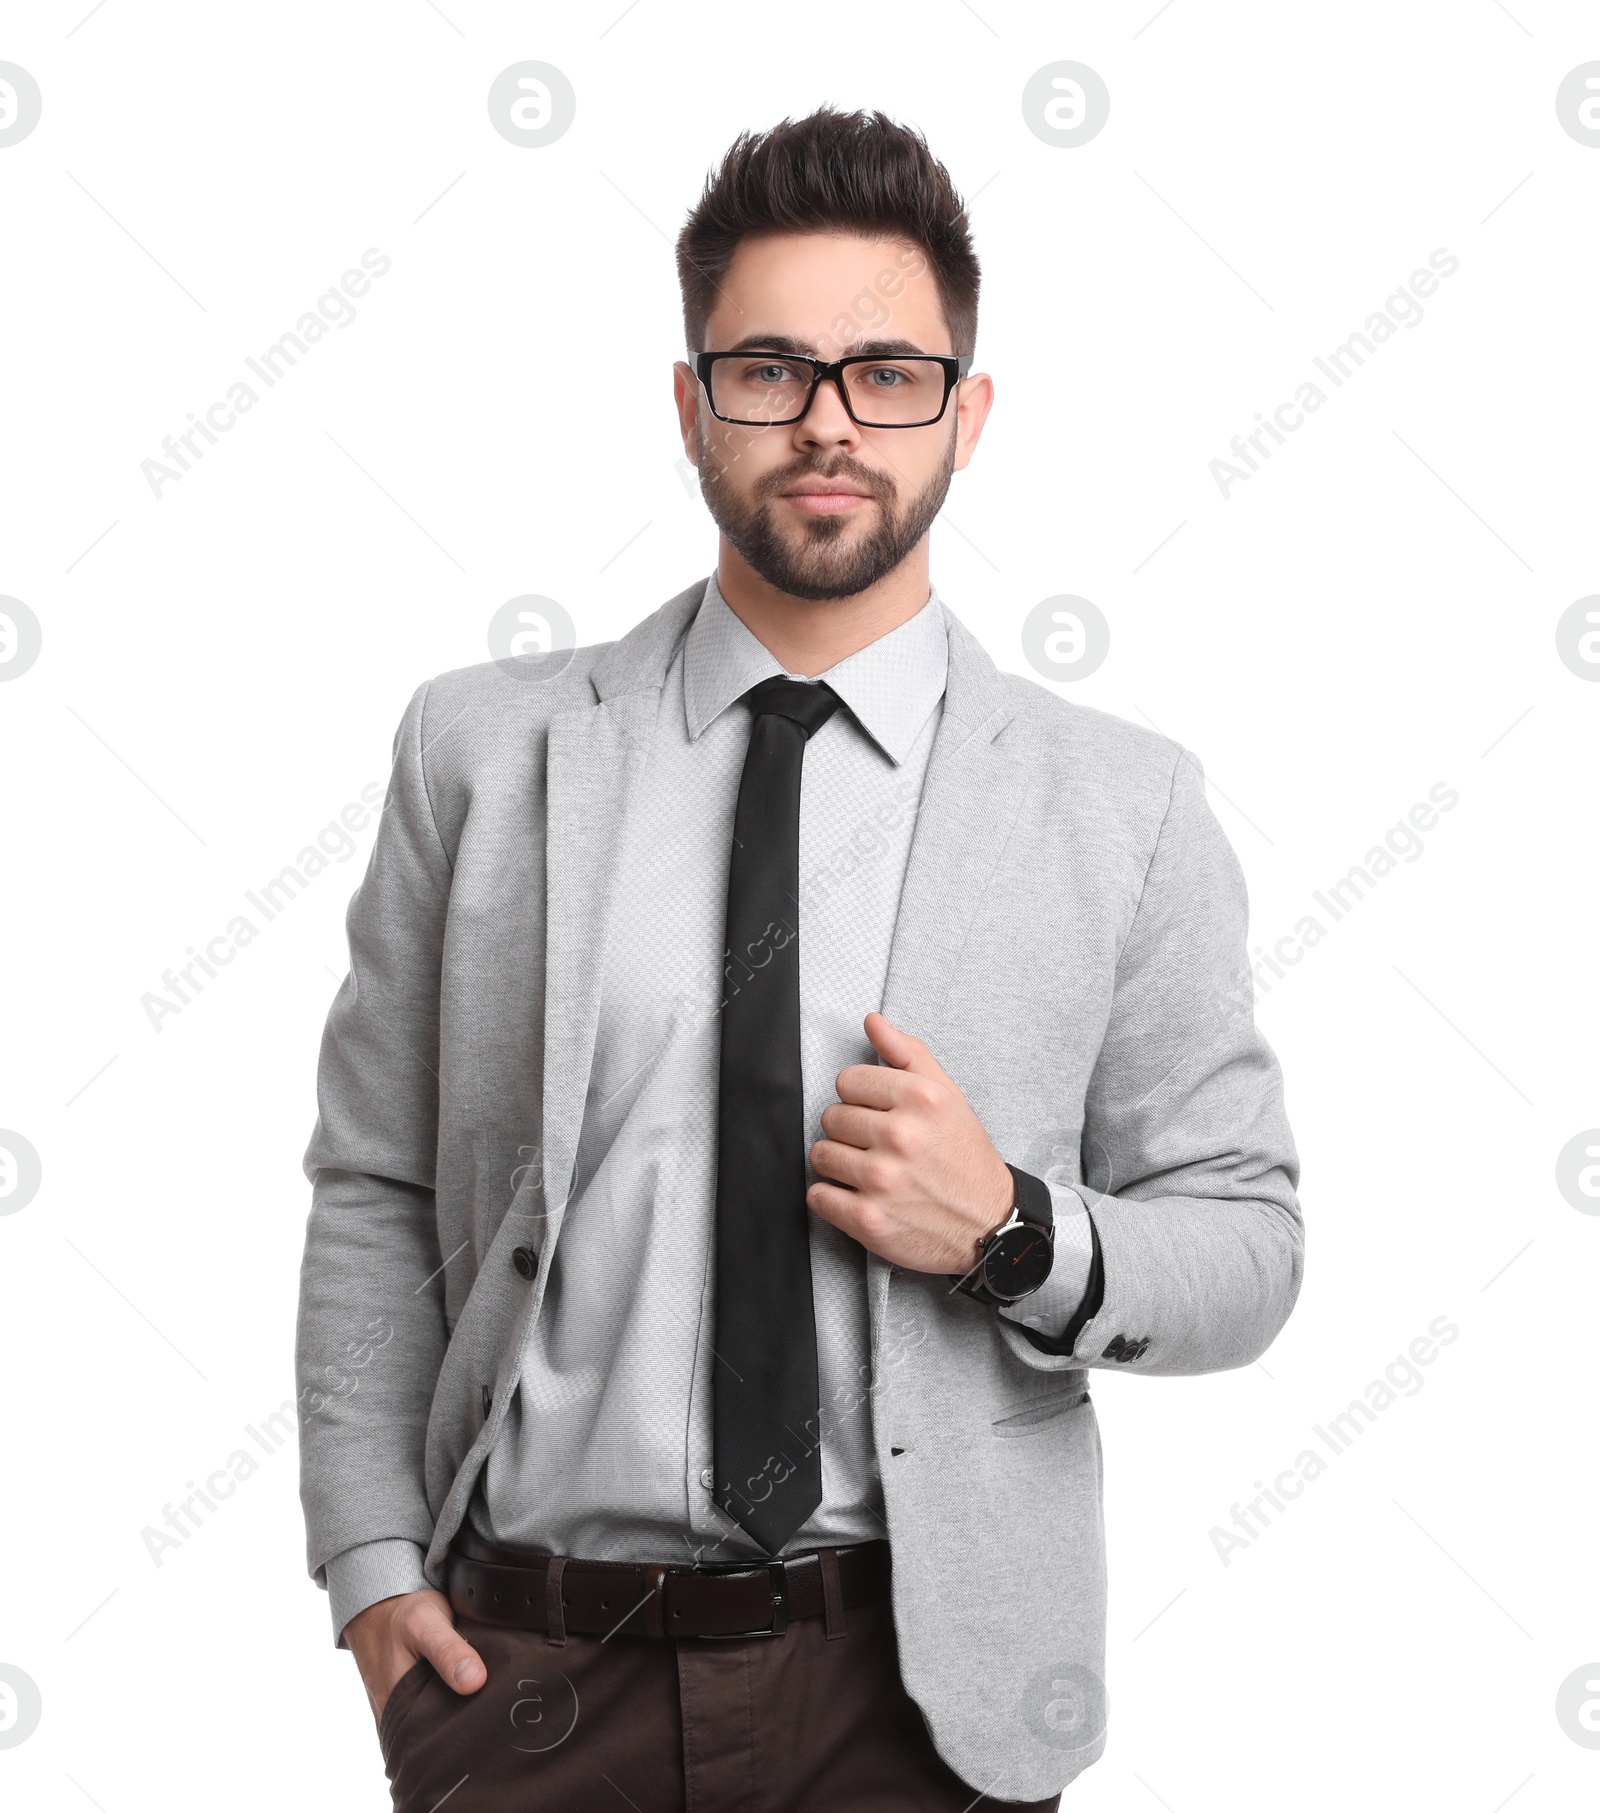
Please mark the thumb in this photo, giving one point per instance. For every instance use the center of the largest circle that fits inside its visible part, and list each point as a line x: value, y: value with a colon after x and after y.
x: 454, y: 1659
x: 901, y: 1049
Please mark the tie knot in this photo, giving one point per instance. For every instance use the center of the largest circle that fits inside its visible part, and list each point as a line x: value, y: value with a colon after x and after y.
x: 808, y: 703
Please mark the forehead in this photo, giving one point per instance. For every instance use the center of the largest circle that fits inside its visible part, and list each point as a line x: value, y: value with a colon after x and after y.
x: 823, y: 292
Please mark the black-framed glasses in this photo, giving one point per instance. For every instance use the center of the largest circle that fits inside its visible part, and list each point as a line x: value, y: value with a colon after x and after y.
x: 767, y: 390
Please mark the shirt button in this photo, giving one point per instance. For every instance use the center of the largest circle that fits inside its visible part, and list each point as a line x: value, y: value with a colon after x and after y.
x: 707, y: 1478
x: 526, y: 1261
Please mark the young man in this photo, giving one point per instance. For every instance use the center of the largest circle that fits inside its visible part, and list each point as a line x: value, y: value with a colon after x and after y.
x: 783, y: 1056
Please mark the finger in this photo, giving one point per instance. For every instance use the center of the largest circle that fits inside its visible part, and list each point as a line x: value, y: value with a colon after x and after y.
x: 456, y: 1662
x: 872, y: 1086
x: 841, y: 1164
x: 901, y: 1049
x: 832, y: 1203
x: 853, y: 1126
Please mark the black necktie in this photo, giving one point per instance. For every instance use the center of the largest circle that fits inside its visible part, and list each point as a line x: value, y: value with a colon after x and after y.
x: 766, y: 1412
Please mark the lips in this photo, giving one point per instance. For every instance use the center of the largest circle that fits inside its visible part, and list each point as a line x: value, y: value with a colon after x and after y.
x: 825, y: 503
x: 825, y: 487
x: 816, y: 496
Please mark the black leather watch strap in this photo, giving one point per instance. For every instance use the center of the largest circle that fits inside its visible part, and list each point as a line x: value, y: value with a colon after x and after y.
x: 1034, y: 1202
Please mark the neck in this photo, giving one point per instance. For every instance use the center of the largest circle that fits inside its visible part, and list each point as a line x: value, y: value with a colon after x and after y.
x: 810, y: 635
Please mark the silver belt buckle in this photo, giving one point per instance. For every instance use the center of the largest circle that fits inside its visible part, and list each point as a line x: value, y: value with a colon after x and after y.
x: 780, y: 1604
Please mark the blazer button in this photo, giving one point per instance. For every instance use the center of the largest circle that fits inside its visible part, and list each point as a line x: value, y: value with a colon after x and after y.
x: 526, y: 1260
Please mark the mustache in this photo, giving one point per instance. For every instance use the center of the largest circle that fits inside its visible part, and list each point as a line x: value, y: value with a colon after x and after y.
x: 875, y: 484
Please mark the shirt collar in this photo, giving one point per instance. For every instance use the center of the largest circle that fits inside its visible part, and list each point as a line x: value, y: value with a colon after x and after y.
x: 890, y: 685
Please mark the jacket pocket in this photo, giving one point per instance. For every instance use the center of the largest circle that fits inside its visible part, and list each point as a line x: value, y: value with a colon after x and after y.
x: 1044, y: 1407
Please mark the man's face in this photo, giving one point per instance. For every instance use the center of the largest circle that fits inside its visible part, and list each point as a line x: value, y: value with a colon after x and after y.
x: 830, y: 296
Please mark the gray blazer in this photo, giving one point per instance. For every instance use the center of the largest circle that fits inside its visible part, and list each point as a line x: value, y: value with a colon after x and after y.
x: 1071, y: 945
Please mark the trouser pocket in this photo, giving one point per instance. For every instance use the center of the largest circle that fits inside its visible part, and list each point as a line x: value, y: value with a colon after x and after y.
x: 402, y: 1697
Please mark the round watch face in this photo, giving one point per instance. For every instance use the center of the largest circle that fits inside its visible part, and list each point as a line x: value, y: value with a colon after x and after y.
x: 1018, y: 1262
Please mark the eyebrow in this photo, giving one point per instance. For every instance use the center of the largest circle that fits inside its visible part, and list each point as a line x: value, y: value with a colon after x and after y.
x: 784, y: 343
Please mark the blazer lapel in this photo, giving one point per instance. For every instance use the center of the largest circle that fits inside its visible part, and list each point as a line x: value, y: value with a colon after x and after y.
x: 594, y: 756
x: 970, y: 797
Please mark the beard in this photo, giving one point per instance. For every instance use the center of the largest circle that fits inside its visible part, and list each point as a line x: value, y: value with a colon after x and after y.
x: 821, y: 557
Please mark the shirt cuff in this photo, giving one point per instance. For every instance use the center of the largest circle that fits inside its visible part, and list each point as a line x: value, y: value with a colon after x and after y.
x: 1052, y: 1306
x: 371, y: 1571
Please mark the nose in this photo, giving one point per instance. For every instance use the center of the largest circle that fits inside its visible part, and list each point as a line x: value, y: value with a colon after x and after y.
x: 826, y: 421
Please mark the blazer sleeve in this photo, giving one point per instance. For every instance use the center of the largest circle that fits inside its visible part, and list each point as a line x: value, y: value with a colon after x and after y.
x: 370, y: 1335
x: 1189, y: 1167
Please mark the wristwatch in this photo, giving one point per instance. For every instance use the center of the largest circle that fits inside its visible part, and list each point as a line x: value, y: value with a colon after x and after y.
x: 1016, y: 1258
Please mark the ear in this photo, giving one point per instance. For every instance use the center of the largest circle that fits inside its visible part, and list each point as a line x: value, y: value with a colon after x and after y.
x: 974, y: 398
x: 686, y: 398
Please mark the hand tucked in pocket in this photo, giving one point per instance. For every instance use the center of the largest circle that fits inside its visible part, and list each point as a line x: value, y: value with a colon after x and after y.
x: 390, y: 1637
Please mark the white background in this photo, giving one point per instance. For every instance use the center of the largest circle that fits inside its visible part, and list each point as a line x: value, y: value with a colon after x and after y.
x: 1370, y: 614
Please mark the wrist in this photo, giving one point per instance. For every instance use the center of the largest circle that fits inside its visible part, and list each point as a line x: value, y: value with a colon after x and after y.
x: 1002, y: 1201
x: 1015, y: 1258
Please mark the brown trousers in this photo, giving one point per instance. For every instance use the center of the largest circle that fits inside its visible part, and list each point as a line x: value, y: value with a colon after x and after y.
x: 749, y: 1725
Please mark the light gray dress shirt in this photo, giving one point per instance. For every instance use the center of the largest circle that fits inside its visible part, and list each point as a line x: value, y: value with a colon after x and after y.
x: 606, y: 1450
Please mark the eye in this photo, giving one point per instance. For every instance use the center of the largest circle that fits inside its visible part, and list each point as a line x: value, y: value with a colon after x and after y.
x: 769, y: 371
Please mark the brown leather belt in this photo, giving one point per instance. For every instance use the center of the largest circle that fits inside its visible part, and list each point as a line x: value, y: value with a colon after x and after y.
x: 557, y: 1594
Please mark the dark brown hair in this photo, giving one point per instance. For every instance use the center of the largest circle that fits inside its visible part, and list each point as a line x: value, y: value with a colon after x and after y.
x: 832, y: 172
